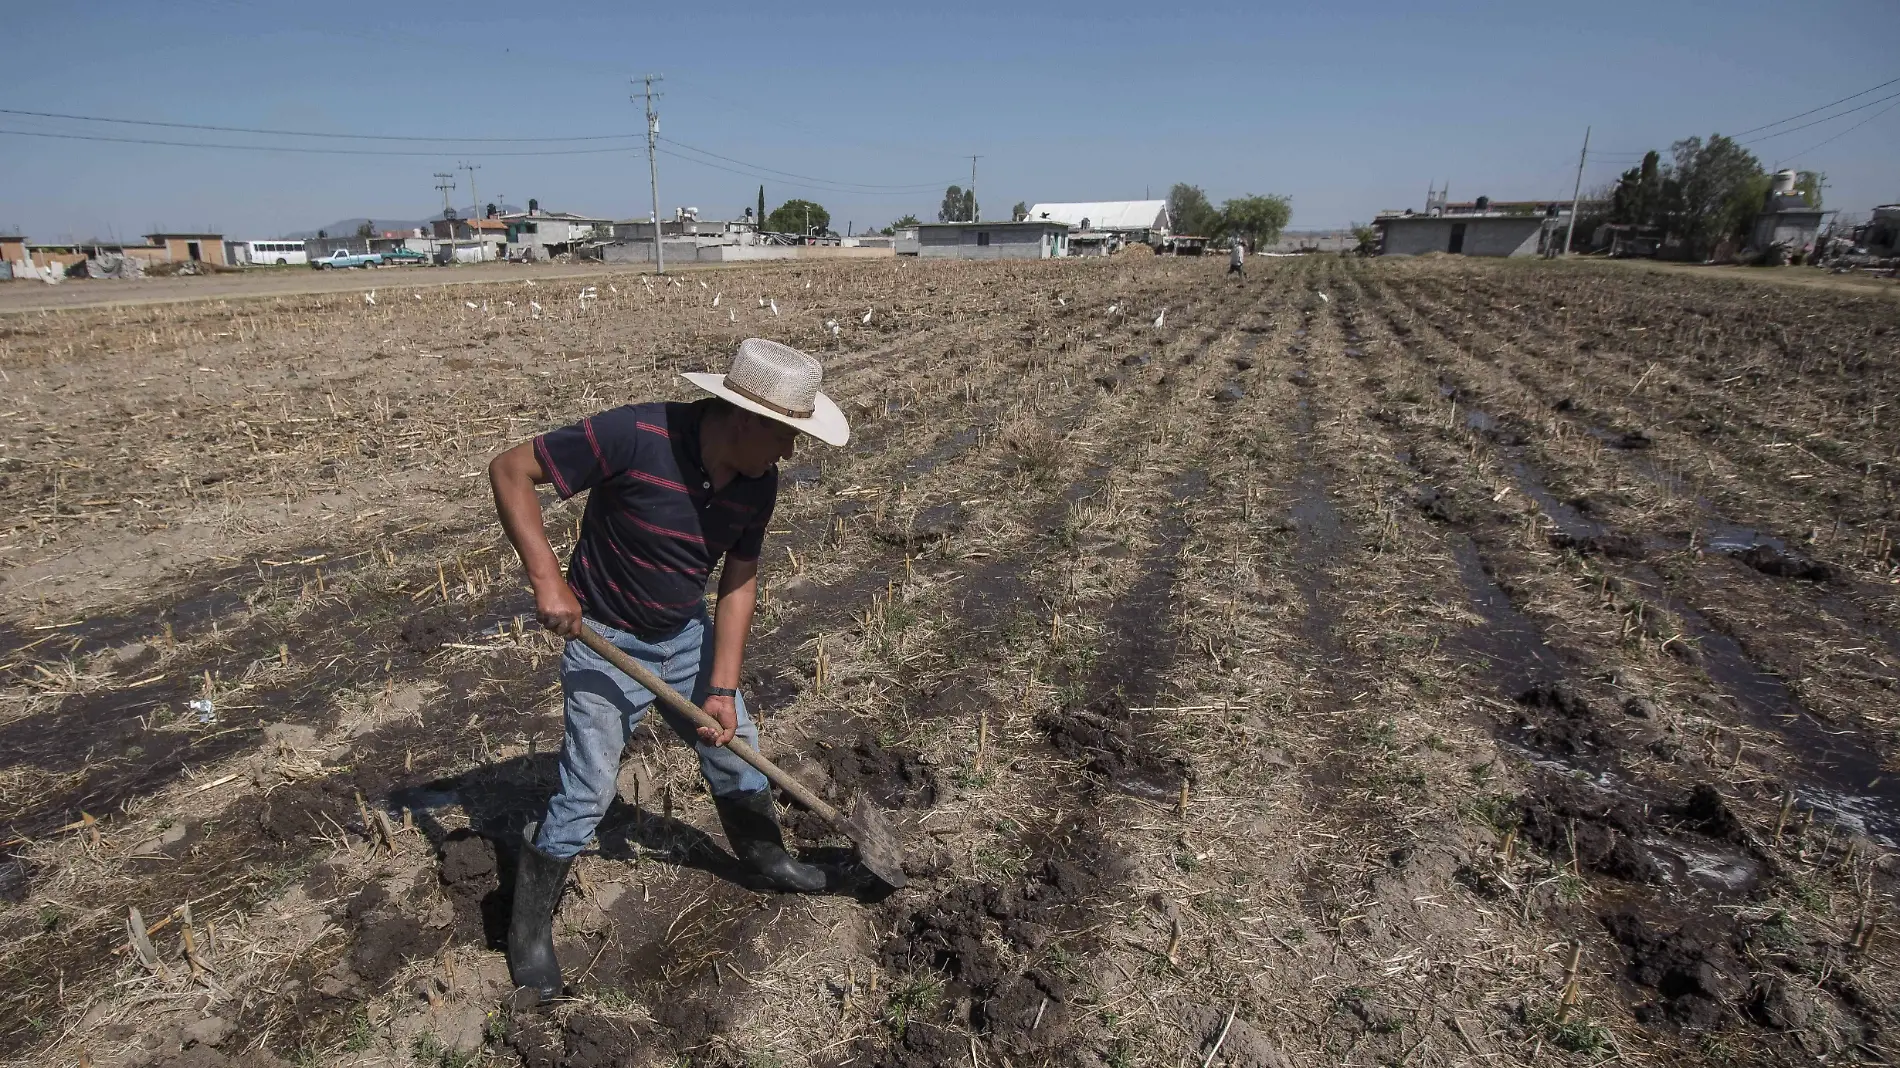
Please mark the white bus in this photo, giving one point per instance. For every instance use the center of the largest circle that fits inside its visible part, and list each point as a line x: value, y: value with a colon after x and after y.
x: 276, y: 253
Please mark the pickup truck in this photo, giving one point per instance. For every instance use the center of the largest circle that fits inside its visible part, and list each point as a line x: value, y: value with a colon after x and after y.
x: 341, y: 258
x: 404, y: 255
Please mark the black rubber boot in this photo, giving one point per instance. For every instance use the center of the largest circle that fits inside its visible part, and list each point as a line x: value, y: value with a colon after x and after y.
x: 751, y: 824
x: 539, y: 880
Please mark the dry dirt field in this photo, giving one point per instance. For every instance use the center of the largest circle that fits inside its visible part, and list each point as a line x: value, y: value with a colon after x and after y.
x: 1425, y: 663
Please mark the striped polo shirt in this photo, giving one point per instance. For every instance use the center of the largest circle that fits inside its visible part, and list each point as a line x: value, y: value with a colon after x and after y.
x: 654, y: 527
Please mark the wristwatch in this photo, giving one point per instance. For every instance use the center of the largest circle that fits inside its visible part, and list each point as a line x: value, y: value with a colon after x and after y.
x: 721, y: 691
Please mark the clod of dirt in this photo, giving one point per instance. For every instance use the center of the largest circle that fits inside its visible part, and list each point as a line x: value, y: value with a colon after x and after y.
x: 425, y: 632
x: 1355, y: 352
x: 1784, y: 564
x: 1243, y: 1046
x: 1302, y: 378
x: 1435, y: 503
x: 1241, y: 363
x: 1634, y: 439
x: 1136, y: 359
x: 1706, y: 811
x: 1109, y: 383
x: 952, y: 936
x: 925, y: 529
x: 472, y: 879
x: 1641, y: 708
x: 892, y: 776
x: 1614, y: 546
x: 1686, y: 970
x: 1777, y: 1003
x: 386, y: 937
x: 1565, y: 405
x: 587, y: 1040
x: 1230, y: 393
x: 1102, y: 735
x: 1604, y: 830
x: 13, y: 881
x: 1558, y: 720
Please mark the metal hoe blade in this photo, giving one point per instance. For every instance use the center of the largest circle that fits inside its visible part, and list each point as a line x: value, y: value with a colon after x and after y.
x: 878, y: 848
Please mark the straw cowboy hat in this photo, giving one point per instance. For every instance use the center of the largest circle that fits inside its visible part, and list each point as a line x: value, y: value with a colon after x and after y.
x: 778, y: 382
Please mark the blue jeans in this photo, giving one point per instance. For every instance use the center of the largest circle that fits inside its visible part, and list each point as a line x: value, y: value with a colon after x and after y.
x: 603, y: 708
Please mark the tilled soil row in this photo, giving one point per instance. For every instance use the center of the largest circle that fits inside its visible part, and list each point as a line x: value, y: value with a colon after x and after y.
x: 343, y: 814
x: 1809, y: 621
x: 131, y: 643
x: 422, y: 736
x: 1610, y: 828
x: 1776, y: 432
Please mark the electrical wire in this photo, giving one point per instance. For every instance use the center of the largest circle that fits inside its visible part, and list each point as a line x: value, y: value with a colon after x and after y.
x: 913, y: 187
x: 1823, y: 107
x: 315, y: 133
x: 1817, y: 122
x: 314, y: 151
x: 1843, y: 133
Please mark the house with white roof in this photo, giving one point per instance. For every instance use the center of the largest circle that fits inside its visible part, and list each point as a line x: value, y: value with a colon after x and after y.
x: 1102, y: 226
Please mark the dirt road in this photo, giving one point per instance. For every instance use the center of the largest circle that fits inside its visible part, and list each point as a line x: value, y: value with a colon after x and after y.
x: 19, y: 296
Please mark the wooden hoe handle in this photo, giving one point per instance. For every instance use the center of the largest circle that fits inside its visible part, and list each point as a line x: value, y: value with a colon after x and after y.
x: 670, y: 698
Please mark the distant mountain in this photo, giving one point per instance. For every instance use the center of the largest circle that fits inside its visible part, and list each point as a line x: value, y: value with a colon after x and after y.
x: 347, y: 227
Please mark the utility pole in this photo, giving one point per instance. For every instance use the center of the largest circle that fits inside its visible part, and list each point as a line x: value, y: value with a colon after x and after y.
x: 653, y: 171
x: 444, y: 182
x: 973, y: 212
x: 1577, y: 192
x: 474, y: 204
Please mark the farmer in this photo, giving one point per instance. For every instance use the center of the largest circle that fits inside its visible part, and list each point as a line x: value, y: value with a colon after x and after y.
x: 676, y: 487
x: 1236, y: 257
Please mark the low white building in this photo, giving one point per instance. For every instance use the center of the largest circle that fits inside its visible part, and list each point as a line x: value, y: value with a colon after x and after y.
x: 1126, y: 221
x: 540, y: 235
x: 1026, y: 240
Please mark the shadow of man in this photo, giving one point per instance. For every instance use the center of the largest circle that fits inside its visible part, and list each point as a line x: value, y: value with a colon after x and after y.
x: 477, y: 863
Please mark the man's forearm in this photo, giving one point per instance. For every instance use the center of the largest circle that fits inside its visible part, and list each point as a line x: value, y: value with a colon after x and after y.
x: 732, y: 621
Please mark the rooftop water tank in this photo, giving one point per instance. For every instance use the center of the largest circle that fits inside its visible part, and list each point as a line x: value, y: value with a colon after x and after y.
x: 1784, y: 183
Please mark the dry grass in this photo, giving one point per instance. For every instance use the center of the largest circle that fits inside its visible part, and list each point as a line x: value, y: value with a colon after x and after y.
x: 1201, y: 720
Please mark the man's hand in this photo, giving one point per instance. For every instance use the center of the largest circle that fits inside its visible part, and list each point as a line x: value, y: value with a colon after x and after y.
x: 726, y: 711
x: 558, y: 609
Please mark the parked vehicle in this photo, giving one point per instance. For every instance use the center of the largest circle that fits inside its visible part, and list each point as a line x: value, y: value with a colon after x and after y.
x: 404, y: 255
x: 276, y: 253
x: 342, y: 258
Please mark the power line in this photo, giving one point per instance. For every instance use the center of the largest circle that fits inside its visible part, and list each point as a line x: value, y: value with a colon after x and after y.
x: 1817, y: 122
x: 770, y: 172
x: 1823, y: 107
x: 314, y: 133
x: 312, y: 151
x: 1843, y: 133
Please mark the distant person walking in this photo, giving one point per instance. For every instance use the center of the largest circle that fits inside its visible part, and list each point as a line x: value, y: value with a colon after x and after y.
x: 1236, y: 258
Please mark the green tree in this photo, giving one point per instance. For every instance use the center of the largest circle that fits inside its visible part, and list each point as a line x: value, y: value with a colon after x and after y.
x: 1020, y: 211
x: 1367, y: 238
x: 1257, y: 220
x: 760, y: 217
x: 366, y: 229
x: 798, y: 217
x: 1808, y: 184
x: 1637, y: 198
x: 490, y: 211
x: 1190, y: 213
x: 959, y: 205
x: 907, y: 220
x: 1714, y: 190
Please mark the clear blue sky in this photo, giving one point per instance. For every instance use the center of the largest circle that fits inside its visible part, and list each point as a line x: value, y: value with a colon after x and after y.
x: 1347, y: 107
